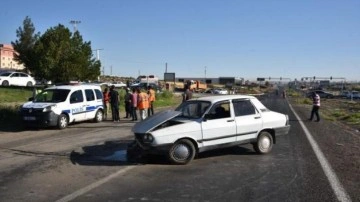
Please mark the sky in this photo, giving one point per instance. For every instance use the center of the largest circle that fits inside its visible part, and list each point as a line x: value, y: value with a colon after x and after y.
x: 206, y: 38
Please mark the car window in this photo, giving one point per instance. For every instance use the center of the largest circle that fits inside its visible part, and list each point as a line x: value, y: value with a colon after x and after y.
x: 98, y: 93
x: 23, y: 75
x: 76, y: 97
x: 89, y: 93
x: 52, y: 95
x: 243, y: 107
x: 193, y: 109
x: 219, y: 111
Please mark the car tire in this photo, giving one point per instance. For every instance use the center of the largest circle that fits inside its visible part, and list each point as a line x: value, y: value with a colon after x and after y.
x: 29, y: 83
x: 5, y: 83
x: 99, y: 116
x: 182, y: 152
x: 62, y: 121
x: 264, y: 143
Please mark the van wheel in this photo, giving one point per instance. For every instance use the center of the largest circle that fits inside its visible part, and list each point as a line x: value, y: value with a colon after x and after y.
x: 99, y: 116
x: 264, y: 143
x: 182, y: 152
x: 62, y: 121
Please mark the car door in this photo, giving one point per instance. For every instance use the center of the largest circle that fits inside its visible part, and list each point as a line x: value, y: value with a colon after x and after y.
x: 77, y: 106
x: 248, y: 119
x: 90, y: 103
x: 15, y: 79
x: 218, y: 126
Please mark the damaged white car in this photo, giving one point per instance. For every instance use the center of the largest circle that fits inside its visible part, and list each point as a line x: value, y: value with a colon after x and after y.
x: 207, y: 123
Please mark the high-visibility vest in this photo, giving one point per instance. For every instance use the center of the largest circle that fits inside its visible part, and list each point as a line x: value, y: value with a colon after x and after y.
x: 151, y: 95
x: 143, y: 102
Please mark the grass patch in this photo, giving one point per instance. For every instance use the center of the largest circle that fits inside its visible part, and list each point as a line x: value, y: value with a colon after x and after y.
x: 9, y: 94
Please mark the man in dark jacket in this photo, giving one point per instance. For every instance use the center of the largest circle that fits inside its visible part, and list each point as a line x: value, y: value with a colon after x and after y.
x: 114, y: 102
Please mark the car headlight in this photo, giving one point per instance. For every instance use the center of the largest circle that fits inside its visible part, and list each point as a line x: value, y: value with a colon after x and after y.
x: 49, y: 108
x: 148, y: 138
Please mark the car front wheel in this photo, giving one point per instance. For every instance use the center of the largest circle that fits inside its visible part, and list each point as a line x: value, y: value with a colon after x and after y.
x: 182, y: 152
x: 62, y: 121
x: 264, y: 143
x: 99, y: 116
x: 5, y: 83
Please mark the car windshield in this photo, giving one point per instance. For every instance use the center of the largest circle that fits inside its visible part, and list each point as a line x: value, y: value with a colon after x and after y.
x: 193, y: 109
x: 52, y: 95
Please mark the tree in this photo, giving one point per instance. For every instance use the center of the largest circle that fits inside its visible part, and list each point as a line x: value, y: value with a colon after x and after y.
x: 63, y: 56
x: 24, y: 46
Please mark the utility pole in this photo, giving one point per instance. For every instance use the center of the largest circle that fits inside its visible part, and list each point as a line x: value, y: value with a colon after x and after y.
x: 75, y: 23
x: 98, y: 53
x: 205, y: 73
x: 165, y: 67
x: 111, y: 70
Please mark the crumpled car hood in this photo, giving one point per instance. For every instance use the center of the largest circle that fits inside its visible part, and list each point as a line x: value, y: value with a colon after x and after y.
x: 153, y: 121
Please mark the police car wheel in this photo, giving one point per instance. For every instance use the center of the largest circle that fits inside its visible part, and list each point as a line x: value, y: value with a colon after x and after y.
x: 99, y: 116
x: 62, y: 121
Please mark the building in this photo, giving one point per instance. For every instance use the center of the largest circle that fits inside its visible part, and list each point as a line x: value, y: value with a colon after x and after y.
x: 7, y: 61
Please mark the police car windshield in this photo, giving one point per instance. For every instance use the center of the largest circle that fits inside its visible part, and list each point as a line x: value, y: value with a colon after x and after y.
x: 193, y: 109
x: 52, y: 95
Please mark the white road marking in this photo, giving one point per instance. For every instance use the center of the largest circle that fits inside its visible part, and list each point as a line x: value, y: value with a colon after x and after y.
x: 336, y: 186
x: 93, y: 185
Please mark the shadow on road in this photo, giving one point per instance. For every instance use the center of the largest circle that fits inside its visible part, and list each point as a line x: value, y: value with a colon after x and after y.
x: 112, y: 153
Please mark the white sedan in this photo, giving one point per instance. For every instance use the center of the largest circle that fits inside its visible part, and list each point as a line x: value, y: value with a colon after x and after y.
x: 207, y: 123
x: 220, y: 91
x: 16, y: 79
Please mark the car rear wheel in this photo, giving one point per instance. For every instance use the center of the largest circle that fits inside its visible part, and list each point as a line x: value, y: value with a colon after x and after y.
x: 99, y: 116
x: 29, y: 83
x: 62, y: 121
x: 5, y: 83
x: 264, y: 143
x: 182, y: 152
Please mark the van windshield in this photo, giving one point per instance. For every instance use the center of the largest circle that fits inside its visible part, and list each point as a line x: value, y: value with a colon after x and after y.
x: 52, y: 95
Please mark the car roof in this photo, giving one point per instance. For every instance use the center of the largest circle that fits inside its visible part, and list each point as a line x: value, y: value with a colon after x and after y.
x: 217, y: 98
x: 70, y: 87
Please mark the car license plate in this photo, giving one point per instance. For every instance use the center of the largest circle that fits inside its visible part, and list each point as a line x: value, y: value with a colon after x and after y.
x: 29, y: 118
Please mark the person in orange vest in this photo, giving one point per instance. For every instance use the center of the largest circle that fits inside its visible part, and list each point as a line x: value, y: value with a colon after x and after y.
x: 152, y: 99
x: 143, y: 104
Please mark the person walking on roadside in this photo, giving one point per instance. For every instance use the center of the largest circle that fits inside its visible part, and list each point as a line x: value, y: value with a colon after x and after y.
x: 127, y: 100
x: 152, y: 98
x: 114, y: 102
x: 143, y: 104
x: 187, y: 94
x: 316, y: 107
x: 134, y: 102
x: 106, y: 101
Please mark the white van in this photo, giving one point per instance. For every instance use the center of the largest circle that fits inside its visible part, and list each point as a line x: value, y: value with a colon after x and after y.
x: 60, y: 105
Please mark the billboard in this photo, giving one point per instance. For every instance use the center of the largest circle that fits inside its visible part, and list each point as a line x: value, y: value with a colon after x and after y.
x: 169, y: 77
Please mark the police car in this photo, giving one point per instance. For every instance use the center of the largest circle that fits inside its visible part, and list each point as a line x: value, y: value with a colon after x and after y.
x: 60, y: 105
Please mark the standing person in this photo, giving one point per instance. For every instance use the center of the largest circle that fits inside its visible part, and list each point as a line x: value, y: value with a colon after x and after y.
x: 316, y: 107
x: 128, y: 103
x: 143, y: 104
x: 134, y: 102
x: 106, y: 101
x: 187, y: 94
x: 152, y: 99
x: 114, y: 102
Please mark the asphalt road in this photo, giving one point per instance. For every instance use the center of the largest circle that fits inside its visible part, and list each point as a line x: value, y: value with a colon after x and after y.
x: 87, y: 162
